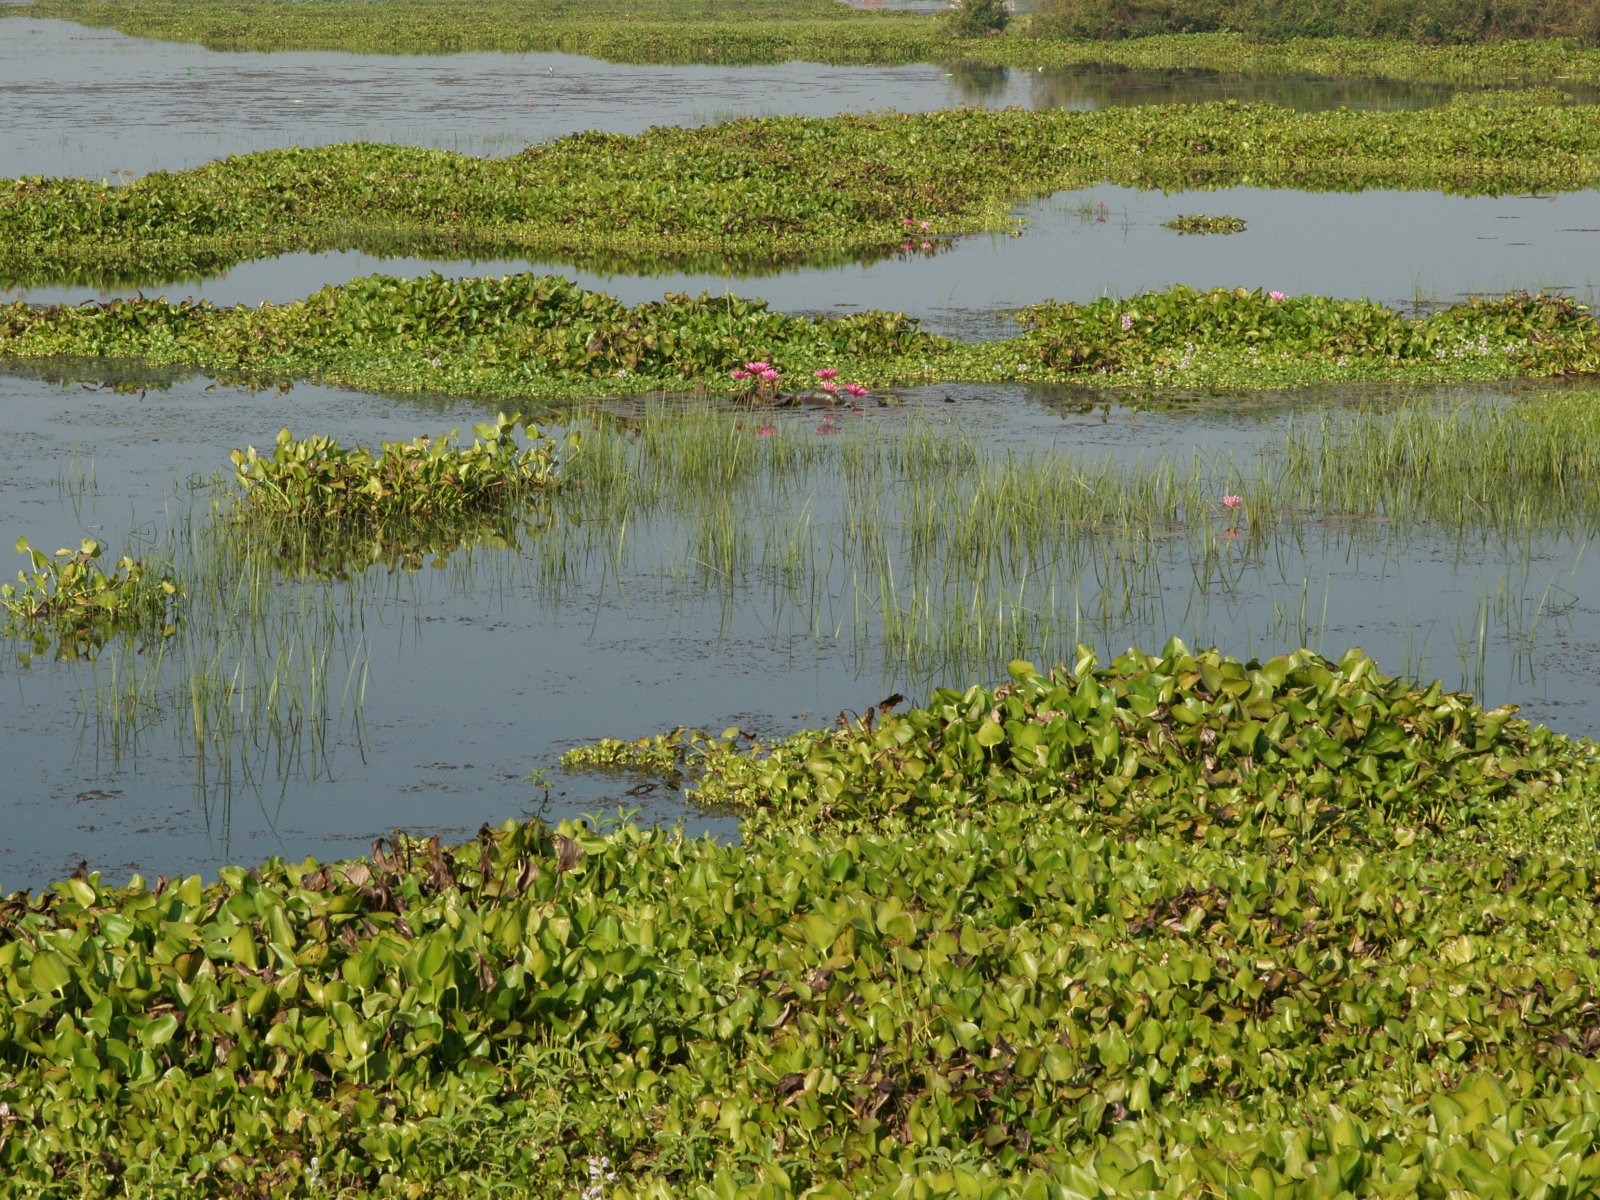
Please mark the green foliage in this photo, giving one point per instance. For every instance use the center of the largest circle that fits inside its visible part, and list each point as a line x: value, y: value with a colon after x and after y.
x: 1157, y: 926
x: 976, y: 18
x: 717, y: 31
x: 71, y: 602
x: 329, y: 510
x: 528, y: 334
x: 317, y: 480
x: 1198, y: 224
x: 1428, y: 21
x: 756, y: 194
x: 1168, y: 332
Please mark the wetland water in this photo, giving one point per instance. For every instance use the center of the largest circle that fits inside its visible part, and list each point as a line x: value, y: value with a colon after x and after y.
x: 474, y: 674
x: 1401, y: 248
x: 440, y: 690
x: 98, y: 104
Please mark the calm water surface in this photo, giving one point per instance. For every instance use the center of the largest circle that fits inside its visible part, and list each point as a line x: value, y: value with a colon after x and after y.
x: 98, y: 104
x: 1401, y: 248
x: 475, y: 674
x: 480, y: 672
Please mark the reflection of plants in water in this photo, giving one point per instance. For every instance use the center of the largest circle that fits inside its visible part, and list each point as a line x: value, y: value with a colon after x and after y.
x: 319, y: 482
x: 71, y: 604
x: 923, y: 554
x: 977, y: 83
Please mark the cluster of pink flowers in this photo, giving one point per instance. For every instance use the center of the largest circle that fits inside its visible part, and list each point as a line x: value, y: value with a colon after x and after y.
x: 762, y: 379
x: 763, y: 371
x: 828, y: 381
x: 909, y: 224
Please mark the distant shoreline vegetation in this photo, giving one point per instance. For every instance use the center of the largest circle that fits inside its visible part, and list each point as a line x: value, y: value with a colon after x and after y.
x: 1515, y: 43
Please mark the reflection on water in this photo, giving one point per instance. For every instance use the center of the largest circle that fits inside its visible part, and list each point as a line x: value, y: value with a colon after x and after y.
x: 1402, y: 248
x: 486, y: 668
x: 98, y: 104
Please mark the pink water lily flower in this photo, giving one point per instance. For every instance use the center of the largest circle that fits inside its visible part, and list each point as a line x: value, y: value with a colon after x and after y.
x: 1232, y: 502
x: 739, y: 373
x: 1276, y: 296
x: 907, y: 222
x: 855, y: 391
x: 927, y: 225
x: 755, y: 368
x: 828, y: 373
x: 771, y: 375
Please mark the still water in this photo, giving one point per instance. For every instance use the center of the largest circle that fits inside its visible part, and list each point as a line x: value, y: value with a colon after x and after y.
x: 449, y: 686
x: 446, y: 687
x: 1402, y: 248
x: 98, y: 104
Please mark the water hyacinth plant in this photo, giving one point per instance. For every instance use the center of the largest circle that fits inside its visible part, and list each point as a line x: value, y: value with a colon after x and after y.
x: 808, y: 190
x: 543, y: 335
x: 315, y: 480
x: 68, y: 601
x: 1197, y: 224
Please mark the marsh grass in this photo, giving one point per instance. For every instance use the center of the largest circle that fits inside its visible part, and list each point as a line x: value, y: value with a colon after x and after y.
x: 918, y: 551
x: 913, y: 548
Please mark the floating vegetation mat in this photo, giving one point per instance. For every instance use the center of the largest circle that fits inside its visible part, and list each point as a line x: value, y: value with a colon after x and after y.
x: 715, y: 31
x: 1176, y: 925
x: 757, y: 193
x: 543, y: 335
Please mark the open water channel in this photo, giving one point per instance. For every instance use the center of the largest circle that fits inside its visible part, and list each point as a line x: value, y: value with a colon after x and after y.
x: 439, y: 691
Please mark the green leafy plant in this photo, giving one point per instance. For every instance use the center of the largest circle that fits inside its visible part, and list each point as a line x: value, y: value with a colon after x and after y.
x: 315, y: 480
x: 70, y: 600
x: 1202, y: 224
x: 976, y: 18
x: 1152, y: 926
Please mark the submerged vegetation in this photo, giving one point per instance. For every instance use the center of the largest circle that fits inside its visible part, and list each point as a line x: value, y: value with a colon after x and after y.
x: 526, y: 335
x: 1179, y: 925
x: 754, y: 194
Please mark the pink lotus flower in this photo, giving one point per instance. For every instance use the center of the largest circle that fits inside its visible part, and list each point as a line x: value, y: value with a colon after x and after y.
x: 830, y: 387
x: 828, y: 373
x: 755, y: 368
x: 737, y: 373
x: 1232, y: 502
x: 771, y: 375
x: 855, y: 391
x: 1276, y: 296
